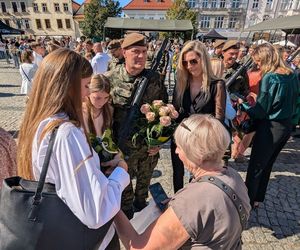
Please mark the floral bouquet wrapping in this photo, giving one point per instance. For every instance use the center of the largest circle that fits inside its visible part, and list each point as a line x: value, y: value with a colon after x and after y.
x: 104, y: 146
x: 158, y: 125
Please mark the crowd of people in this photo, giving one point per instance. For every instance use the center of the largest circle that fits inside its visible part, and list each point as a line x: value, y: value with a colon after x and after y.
x: 81, y: 87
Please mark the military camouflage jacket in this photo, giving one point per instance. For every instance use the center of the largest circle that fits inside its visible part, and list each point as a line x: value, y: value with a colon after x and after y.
x: 241, y: 84
x: 122, y: 91
x: 114, y: 62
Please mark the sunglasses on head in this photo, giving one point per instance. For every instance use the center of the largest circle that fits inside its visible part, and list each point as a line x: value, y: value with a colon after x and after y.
x: 192, y: 62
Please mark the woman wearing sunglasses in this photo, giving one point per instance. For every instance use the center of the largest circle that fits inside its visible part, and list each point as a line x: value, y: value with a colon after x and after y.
x: 197, y: 91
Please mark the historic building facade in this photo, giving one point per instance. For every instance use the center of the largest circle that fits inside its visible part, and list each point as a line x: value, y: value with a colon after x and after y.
x: 261, y: 10
x: 39, y: 18
x: 226, y: 16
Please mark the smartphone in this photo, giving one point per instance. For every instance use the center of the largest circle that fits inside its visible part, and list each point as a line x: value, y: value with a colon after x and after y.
x: 159, y: 195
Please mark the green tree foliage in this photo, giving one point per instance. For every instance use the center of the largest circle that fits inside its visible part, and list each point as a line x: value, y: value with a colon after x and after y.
x: 180, y: 10
x: 95, y: 16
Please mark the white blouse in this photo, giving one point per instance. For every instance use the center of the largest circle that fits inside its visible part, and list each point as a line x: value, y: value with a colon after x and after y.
x: 92, y: 197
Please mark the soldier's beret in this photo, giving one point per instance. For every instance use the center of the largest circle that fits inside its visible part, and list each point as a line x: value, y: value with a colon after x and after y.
x: 231, y: 44
x: 218, y: 43
x: 134, y: 39
x: 114, y: 44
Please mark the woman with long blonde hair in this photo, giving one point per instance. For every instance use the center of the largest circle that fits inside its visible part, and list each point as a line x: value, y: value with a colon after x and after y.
x: 60, y: 84
x: 272, y: 114
x: 197, y: 91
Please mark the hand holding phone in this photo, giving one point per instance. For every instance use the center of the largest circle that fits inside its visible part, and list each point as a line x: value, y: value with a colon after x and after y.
x: 159, y: 195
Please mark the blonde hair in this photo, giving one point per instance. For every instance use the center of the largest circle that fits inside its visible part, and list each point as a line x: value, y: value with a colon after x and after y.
x: 217, y: 67
x: 270, y: 59
x: 99, y: 83
x: 183, y: 75
x: 203, y: 139
x: 56, y: 88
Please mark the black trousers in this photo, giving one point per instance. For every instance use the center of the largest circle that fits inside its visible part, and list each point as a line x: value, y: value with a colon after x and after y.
x: 269, y: 139
x: 178, y: 169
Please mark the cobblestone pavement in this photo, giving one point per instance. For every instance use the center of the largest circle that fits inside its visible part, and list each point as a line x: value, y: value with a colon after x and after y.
x: 275, y: 225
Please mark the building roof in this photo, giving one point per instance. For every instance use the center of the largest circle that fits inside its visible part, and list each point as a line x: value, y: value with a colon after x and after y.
x: 148, y: 5
x: 75, y: 6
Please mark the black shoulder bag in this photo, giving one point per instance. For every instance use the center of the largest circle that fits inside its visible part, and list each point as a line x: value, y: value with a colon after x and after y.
x: 33, y: 217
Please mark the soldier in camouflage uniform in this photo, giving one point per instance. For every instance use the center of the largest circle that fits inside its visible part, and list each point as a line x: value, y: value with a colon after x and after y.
x: 114, y: 48
x: 218, y: 46
x: 141, y: 161
x: 241, y: 84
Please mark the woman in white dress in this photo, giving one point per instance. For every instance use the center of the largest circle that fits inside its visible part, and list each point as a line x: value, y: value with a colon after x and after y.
x: 27, y: 71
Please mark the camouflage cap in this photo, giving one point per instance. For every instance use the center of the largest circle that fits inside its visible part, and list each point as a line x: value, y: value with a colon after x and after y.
x: 134, y: 39
x: 231, y: 44
x: 114, y: 44
x: 218, y: 43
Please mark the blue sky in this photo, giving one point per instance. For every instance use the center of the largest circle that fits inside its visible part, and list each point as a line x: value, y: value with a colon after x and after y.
x: 122, y: 2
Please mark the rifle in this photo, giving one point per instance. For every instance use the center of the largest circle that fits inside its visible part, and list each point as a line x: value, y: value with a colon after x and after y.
x: 134, y: 110
x: 238, y: 72
x: 292, y: 57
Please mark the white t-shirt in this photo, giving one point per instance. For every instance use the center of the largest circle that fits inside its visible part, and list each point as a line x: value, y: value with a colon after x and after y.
x: 37, y: 58
x: 27, y: 71
x: 93, y: 198
x: 100, y: 63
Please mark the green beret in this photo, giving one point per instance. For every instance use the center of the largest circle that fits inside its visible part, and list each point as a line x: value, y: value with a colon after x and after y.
x: 134, y: 39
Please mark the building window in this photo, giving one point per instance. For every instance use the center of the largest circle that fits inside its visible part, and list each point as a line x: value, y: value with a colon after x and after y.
x: 66, y: 7
x: 3, y: 7
x: 252, y: 20
x: 19, y: 23
x: 56, y: 7
x: 151, y: 18
x: 219, y: 22
x: 269, y: 4
x: 255, y: 4
x: 214, y: 3
x: 38, y: 23
x: 222, y: 3
x: 44, y: 7
x: 35, y: 7
x: 232, y: 22
x: 23, y: 6
x: 7, y: 22
x: 47, y: 24
x: 27, y: 24
x: 59, y: 23
x: 192, y: 3
x: 14, y: 6
x: 204, y: 3
x: 205, y: 20
x: 235, y: 4
x: 284, y: 4
x: 162, y: 18
x: 68, y: 24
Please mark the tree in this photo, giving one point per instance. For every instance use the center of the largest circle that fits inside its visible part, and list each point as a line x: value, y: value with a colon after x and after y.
x: 95, y: 15
x: 180, y: 10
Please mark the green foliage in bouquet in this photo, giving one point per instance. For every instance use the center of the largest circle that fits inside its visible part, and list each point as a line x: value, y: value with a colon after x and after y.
x: 158, y: 125
x: 105, y: 146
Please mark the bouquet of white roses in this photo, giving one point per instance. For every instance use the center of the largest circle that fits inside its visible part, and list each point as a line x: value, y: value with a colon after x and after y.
x: 158, y: 124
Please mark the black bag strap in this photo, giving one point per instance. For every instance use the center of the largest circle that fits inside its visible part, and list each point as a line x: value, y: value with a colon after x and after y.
x: 231, y: 194
x: 38, y: 193
x: 25, y: 73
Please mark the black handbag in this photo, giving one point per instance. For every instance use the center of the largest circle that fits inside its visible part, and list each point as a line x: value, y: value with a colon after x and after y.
x: 32, y: 216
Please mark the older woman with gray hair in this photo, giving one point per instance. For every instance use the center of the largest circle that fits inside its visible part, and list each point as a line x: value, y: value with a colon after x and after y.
x: 208, y: 213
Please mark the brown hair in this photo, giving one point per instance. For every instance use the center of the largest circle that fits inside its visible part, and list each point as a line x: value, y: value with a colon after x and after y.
x: 56, y: 88
x: 25, y: 56
x: 53, y: 45
x: 99, y: 83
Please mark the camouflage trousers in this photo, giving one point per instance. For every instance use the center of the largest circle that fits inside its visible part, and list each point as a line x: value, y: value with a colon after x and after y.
x: 141, y: 166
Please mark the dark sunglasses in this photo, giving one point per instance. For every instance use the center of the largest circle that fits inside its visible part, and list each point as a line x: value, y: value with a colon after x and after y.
x: 192, y: 62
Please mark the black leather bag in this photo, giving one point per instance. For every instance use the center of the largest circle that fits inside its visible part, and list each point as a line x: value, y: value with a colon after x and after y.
x: 32, y: 216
